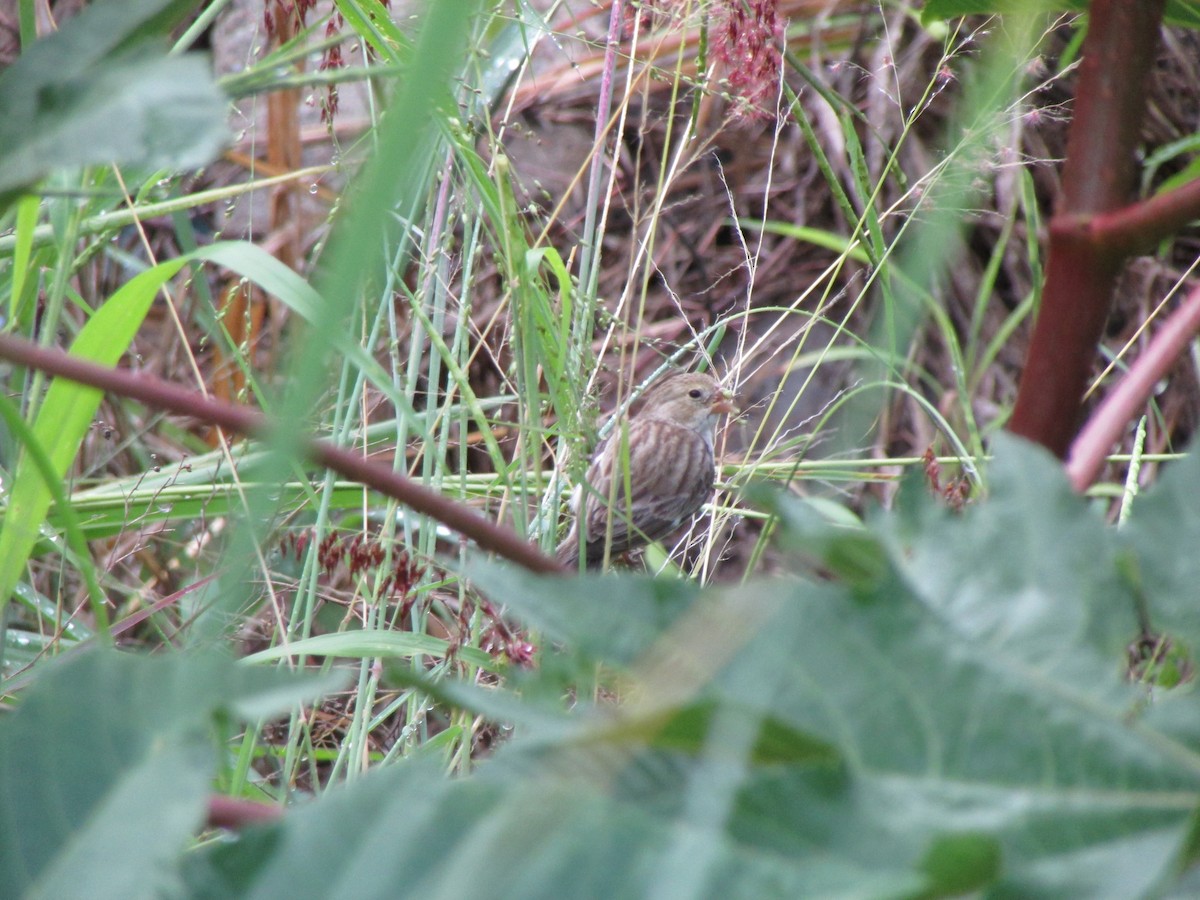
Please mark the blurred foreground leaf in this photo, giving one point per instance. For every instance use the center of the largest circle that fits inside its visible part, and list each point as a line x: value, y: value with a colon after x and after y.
x: 106, y: 767
x: 102, y: 90
x: 957, y: 719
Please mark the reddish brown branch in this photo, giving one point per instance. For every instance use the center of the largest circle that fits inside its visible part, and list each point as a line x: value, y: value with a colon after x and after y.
x: 234, y: 813
x: 157, y: 606
x: 1079, y: 285
x: 1081, y: 272
x: 161, y: 395
x: 1112, y: 417
x: 1139, y: 227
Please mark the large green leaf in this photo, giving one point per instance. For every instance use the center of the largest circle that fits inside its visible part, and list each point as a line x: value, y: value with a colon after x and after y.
x: 614, y: 620
x: 106, y: 767
x: 102, y: 89
x: 1163, y: 531
x: 951, y: 717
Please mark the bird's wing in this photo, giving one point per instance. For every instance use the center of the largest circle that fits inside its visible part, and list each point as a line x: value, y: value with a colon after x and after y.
x: 670, y: 474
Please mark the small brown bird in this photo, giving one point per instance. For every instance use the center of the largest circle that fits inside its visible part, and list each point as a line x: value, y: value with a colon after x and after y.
x: 665, y: 455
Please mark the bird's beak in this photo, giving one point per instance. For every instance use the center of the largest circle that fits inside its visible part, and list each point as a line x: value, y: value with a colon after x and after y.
x: 723, y: 403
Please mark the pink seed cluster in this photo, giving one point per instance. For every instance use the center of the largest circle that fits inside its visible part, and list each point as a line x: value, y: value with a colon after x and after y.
x: 746, y: 37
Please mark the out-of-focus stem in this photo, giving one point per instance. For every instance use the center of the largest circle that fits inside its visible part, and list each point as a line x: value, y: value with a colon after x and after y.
x: 1113, y: 415
x: 1139, y: 227
x: 1098, y: 178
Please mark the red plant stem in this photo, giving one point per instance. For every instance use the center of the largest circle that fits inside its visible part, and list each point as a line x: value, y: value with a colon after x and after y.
x: 161, y: 395
x: 234, y: 813
x: 1108, y: 423
x: 1139, y: 227
x: 157, y: 606
x: 1098, y: 177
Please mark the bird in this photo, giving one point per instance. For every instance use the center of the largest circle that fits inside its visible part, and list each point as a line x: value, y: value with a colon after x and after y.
x: 664, y: 453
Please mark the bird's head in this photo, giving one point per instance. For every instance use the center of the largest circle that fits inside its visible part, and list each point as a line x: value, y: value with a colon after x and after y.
x: 691, y: 400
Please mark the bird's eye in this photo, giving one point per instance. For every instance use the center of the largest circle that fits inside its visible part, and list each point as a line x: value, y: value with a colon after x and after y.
x: 695, y: 393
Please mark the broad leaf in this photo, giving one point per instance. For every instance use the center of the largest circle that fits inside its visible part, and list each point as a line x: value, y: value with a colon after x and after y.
x: 106, y: 767
x: 102, y: 89
x: 953, y: 717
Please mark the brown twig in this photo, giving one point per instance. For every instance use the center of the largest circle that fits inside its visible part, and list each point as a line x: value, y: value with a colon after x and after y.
x: 1137, y: 228
x: 161, y: 395
x: 1081, y: 271
x: 157, y: 606
x: 1109, y: 421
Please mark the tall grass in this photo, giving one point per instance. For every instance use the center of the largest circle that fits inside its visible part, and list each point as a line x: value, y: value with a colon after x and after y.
x: 443, y: 325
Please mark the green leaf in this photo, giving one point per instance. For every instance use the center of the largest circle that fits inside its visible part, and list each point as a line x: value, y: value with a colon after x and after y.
x: 953, y: 720
x: 609, y: 617
x: 1026, y: 567
x: 688, y: 729
x: 961, y: 863
x: 1183, y: 12
x: 27, y: 216
x: 818, y: 237
x: 937, y: 10
x: 66, y: 414
x: 105, y: 513
x: 1163, y: 530
x: 844, y: 548
x: 106, y: 767
x: 97, y: 91
x: 253, y: 262
x: 35, y: 460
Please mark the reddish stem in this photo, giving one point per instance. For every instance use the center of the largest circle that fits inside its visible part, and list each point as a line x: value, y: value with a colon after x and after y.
x: 1098, y: 177
x: 158, y: 606
x: 1108, y: 423
x: 1139, y: 227
x: 161, y: 395
x: 233, y: 813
